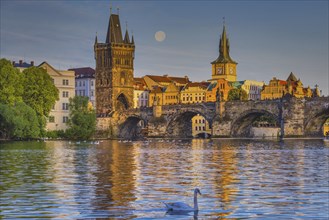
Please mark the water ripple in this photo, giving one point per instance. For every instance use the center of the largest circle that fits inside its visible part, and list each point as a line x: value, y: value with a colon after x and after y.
x: 242, y: 179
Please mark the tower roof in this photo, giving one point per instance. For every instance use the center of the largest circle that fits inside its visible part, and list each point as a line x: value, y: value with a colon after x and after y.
x: 292, y: 77
x: 224, y: 49
x: 114, y: 34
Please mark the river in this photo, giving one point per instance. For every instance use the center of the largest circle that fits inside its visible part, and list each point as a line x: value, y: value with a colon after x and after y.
x: 244, y: 179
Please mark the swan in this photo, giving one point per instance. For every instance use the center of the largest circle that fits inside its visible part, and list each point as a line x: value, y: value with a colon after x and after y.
x: 181, y: 206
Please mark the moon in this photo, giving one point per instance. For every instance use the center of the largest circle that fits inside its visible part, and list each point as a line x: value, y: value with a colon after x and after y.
x: 160, y: 36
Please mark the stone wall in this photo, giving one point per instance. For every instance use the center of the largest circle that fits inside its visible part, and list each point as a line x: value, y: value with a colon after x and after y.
x: 265, y: 132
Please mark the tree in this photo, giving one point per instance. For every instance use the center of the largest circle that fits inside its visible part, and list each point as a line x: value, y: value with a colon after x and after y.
x: 11, y: 88
x: 18, y: 121
x: 237, y: 94
x: 40, y: 93
x: 82, y: 120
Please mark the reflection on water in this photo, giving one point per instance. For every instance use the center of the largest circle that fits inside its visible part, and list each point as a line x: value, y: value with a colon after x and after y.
x: 238, y: 179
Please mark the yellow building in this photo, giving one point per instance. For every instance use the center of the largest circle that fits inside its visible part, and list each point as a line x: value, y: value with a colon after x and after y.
x: 194, y: 92
x: 326, y: 128
x: 224, y: 67
x: 64, y: 81
x: 274, y: 90
x: 278, y: 88
x: 221, y: 87
x: 171, y: 94
x: 165, y: 88
x: 156, y: 96
x: 200, y: 126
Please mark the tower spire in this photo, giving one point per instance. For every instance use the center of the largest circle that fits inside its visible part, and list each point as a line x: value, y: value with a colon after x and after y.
x: 96, y: 40
x: 132, y: 37
x: 224, y: 47
x: 126, y: 40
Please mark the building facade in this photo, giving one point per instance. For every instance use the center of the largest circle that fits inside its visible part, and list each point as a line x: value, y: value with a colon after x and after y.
x: 200, y: 126
x: 85, y: 83
x: 278, y: 88
x: 194, y: 92
x: 114, y: 70
x: 220, y: 87
x: 253, y: 89
x: 141, y: 93
x: 64, y: 81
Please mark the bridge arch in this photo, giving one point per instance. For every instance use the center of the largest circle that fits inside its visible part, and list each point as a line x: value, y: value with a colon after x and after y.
x: 132, y: 127
x: 314, y: 123
x: 241, y: 127
x: 180, y: 125
x: 122, y: 102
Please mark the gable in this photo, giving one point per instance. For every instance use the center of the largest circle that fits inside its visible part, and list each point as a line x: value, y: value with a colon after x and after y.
x: 49, y: 69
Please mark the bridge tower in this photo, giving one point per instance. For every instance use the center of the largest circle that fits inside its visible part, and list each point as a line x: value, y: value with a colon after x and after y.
x: 114, y: 69
x: 224, y: 67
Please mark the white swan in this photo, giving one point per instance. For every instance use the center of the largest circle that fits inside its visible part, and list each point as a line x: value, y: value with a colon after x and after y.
x: 181, y: 206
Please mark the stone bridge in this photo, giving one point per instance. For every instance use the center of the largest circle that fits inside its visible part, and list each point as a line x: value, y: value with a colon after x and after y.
x: 295, y: 117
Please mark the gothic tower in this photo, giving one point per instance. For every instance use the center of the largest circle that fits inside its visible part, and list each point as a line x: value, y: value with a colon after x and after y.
x: 224, y: 67
x: 114, y: 70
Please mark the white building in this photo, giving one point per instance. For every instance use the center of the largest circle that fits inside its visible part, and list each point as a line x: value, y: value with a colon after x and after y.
x: 85, y: 83
x: 64, y: 82
x: 141, y: 94
x: 253, y: 89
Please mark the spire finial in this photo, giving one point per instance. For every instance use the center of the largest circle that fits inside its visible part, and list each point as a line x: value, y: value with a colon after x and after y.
x: 224, y: 20
x: 118, y: 9
x: 110, y: 9
x: 126, y: 25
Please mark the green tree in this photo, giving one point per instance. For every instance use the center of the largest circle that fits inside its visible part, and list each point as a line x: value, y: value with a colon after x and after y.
x: 40, y: 93
x: 18, y: 121
x: 237, y: 94
x: 11, y: 88
x: 82, y: 120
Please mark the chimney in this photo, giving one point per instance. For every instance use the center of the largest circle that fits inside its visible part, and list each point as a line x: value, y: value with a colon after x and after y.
x: 32, y: 63
x: 20, y: 62
x: 13, y: 63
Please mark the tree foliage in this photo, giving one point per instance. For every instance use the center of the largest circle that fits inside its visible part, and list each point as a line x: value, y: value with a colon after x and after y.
x: 11, y: 88
x: 237, y: 94
x: 39, y: 90
x: 82, y: 120
x: 40, y: 93
x: 18, y: 121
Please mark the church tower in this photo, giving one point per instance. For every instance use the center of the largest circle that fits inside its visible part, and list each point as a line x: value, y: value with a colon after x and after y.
x: 114, y: 69
x: 224, y: 67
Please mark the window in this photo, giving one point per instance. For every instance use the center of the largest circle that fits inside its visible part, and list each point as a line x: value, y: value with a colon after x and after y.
x: 92, y: 83
x: 83, y: 83
x: 65, y: 119
x: 65, y: 94
x: 65, y: 82
x: 65, y: 106
x: 53, y: 108
x: 92, y: 92
x: 51, y: 119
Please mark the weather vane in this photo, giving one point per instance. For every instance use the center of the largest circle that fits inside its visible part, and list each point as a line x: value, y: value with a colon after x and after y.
x: 224, y: 20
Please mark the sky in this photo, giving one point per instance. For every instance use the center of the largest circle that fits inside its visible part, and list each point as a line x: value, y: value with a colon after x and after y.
x: 267, y: 38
